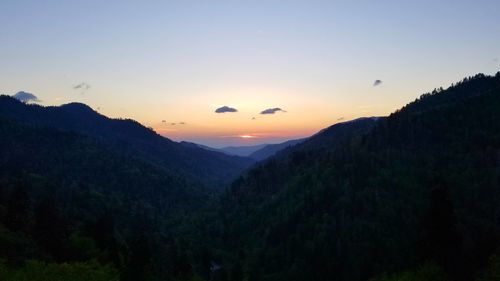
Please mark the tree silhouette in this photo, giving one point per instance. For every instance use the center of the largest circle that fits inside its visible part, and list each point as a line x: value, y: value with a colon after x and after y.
x: 442, y: 242
x: 50, y: 229
x: 18, y: 204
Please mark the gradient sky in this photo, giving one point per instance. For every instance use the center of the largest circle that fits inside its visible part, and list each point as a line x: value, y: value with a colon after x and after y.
x: 180, y: 60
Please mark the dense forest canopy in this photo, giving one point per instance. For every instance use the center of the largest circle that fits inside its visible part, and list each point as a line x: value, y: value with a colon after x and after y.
x: 412, y: 196
x: 421, y: 186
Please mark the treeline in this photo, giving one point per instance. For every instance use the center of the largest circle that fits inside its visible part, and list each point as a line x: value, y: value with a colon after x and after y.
x: 70, y: 206
x: 40, y: 236
x: 413, y: 196
x: 417, y: 194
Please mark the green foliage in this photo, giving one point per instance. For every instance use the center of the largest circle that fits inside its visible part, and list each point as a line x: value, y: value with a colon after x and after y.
x: 39, y: 271
x: 70, y: 198
x: 367, y: 202
x: 14, y: 246
x: 492, y: 272
x: 428, y: 272
x: 352, y: 202
x: 82, y: 247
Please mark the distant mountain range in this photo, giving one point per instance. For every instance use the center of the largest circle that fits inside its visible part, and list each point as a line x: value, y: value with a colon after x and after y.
x: 324, y: 138
x: 256, y: 152
x: 202, y: 163
x: 411, y: 196
x: 242, y: 151
x: 271, y: 149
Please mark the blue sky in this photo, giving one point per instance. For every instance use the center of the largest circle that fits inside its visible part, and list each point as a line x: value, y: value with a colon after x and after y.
x: 180, y: 60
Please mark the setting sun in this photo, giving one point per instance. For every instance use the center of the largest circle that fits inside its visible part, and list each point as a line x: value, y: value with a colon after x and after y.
x: 257, y: 140
x: 247, y: 136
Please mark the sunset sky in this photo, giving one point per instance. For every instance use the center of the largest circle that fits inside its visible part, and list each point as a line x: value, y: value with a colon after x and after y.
x: 178, y: 61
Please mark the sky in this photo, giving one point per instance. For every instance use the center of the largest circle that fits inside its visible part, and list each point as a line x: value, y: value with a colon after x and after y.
x: 176, y: 62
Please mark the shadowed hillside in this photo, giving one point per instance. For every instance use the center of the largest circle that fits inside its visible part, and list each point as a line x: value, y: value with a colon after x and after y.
x: 416, y: 188
x: 128, y: 136
x: 411, y: 196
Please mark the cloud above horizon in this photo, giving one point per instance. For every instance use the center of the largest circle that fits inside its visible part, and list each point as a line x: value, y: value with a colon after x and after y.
x: 25, y: 97
x: 272, y: 110
x: 225, y: 109
x: 377, y: 83
x: 173, y: 123
x: 83, y: 87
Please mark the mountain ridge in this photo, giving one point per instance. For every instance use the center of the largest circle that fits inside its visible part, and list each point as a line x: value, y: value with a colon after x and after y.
x: 411, y: 196
x: 371, y: 203
x: 129, y: 136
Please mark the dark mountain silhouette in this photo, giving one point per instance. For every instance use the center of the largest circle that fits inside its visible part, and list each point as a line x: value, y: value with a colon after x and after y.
x: 192, y: 144
x: 257, y: 152
x: 326, y: 138
x: 242, y: 150
x: 271, y: 149
x: 128, y: 136
x: 69, y: 198
x: 337, y: 134
x: 416, y: 190
x: 74, y: 161
x: 412, y: 196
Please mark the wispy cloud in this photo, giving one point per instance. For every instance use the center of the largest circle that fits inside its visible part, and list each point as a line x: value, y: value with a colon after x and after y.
x: 173, y: 123
x: 26, y: 97
x: 225, y: 109
x: 82, y: 87
x: 377, y: 83
x: 272, y: 110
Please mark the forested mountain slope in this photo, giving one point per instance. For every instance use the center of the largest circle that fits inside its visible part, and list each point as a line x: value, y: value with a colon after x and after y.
x: 128, y: 136
x: 271, y: 149
x: 413, y: 196
x: 65, y: 197
x: 421, y: 186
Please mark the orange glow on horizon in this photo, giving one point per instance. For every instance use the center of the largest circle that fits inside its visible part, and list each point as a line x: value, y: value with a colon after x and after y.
x: 247, y: 136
